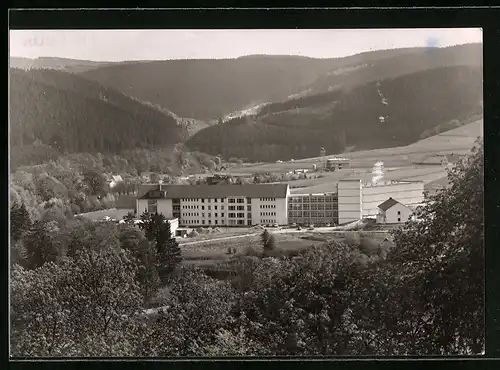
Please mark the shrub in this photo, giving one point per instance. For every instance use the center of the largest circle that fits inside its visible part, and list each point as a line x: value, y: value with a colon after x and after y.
x: 352, y: 238
x: 268, y: 241
x: 251, y: 251
x: 369, y: 246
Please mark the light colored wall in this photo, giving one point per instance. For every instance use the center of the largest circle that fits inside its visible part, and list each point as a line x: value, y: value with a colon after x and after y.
x: 391, y: 215
x: 281, y: 210
x: 164, y: 206
x: 350, y: 200
x: 410, y: 194
x: 256, y: 211
x: 141, y: 205
x: 174, y: 225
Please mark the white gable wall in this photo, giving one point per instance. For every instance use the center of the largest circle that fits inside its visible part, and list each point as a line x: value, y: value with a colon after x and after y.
x: 398, y: 213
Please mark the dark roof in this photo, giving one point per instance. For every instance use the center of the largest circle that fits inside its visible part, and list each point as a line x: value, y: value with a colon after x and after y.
x: 388, y: 204
x: 217, y: 191
x: 144, y: 188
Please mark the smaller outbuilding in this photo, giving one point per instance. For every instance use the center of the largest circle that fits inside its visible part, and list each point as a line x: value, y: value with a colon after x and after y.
x: 392, y: 212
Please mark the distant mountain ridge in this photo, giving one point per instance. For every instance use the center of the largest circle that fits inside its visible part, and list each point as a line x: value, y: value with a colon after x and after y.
x: 63, y: 64
x: 386, y: 113
x: 211, y: 89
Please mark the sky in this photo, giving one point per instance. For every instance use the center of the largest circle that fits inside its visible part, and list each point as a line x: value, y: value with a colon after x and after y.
x: 129, y: 45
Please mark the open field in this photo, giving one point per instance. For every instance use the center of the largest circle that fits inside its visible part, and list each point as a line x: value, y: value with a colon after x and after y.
x: 208, y: 253
x: 457, y: 141
x: 399, y: 162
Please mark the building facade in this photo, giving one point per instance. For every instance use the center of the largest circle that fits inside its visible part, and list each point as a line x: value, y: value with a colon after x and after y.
x: 270, y: 204
x: 358, y: 200
x: 391, y: 212
x: 313, y: 209
x: 218, y: 205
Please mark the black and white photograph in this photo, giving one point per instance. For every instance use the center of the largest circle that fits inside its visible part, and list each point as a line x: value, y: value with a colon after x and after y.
x: 241, y: 193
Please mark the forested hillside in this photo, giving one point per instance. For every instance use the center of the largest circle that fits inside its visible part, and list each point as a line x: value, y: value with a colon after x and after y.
x: 63, y: 112
x: 210, y: 89
x: 385, y: 113
x: 399, y: 65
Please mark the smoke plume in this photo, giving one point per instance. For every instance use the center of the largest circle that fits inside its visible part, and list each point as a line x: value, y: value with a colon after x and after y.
x: 377, y: 172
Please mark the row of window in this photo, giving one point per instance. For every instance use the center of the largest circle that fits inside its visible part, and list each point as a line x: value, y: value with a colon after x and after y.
x: 268, y: 222
x: 203, y: 207
x: 268, y: 206
x: 209, y: 214
x: 215, y: 200
x: 316, y: 206
x: 239, y: 208
x: 239, y: 215
x: 239, y: 200
x: 308, y: 199
x: 313, y: 221
x: 216, y: 222
x: 268, y: 213
x: 268, y: 199
x: 313, y: 214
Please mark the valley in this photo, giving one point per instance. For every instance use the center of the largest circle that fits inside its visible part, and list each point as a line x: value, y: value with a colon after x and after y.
x: 195, y: 197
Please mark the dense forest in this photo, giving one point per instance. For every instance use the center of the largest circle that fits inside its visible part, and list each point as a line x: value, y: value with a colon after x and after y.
x: 210, y: 89
x: 71, y: 114
x: 394, y: 112
x: 81, y: 288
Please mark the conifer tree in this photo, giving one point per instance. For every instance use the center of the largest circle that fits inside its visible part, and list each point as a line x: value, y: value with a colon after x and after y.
x: 168, y: 253
x: 20, y: 221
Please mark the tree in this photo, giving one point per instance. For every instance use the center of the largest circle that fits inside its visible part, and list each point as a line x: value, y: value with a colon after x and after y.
x: 129, y: 218
x: 154, y: 178
x: 268, y: 241
x: 442, y: 254
x: 39, y: 245
x: 144, y: 251
x: 199, y: 306
x: 86, y: 306
x: 119, y: 187
x: 95, y: 181
x: 20, y: 221
x: 168, y: 253
x: 297, y: 307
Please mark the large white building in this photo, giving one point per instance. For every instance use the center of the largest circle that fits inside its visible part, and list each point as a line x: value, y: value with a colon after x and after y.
x: 269, y: 204
x: 217, y: 205
x: 358, y: 200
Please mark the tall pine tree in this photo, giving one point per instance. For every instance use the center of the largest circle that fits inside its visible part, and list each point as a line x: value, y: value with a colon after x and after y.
x: 20, y: 221
x: 39, y: 246
x: 168, y: 253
